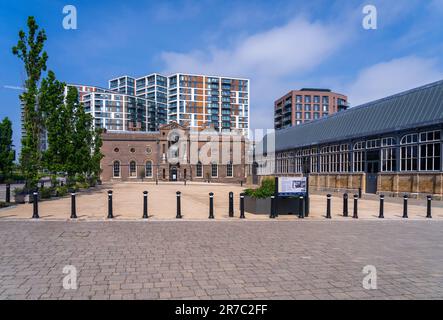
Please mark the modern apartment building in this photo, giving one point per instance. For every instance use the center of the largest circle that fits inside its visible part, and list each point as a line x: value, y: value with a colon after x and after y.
x: 115, y: 111
x: 146, y: 103
x: 209, y: 101
x: 154, y: 88
x: 304, y: 105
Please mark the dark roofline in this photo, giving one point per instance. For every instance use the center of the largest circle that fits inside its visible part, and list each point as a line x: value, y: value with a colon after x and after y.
x: 315, y: 89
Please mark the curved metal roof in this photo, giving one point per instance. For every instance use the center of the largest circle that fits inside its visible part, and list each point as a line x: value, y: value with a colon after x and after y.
x: 414, y: 108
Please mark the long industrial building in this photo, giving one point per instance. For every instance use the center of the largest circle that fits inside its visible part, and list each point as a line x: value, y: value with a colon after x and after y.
x: 391, y: 146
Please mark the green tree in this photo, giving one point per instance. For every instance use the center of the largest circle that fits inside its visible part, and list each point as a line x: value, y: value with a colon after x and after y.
x: 29, y: 49
x: 56, y: 123
x: 6, y: 151
x: 97, y: 155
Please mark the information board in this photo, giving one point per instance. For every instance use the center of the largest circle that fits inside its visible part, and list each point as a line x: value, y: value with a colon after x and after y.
x: 291, y: 186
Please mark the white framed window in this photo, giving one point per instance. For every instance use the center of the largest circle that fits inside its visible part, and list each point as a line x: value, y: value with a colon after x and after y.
x: 148, y: 169
x: 133, y: 169
x: 199, y: 170
x: 229, y: 170
x: 116, y: 169
x: 214, y: 170
x: 409, y: 158
x: 388, y: 160
x: 430, y: 159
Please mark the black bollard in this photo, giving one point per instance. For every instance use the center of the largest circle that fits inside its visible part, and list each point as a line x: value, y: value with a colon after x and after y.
x: 328, y: 206
x: 381, y: 214
x: 73, y: 206
x: 42, y: 185
x: 301, y: 212
x: 242, y: 205
x: 156, y: 181
x: 211, y: 205
x: 185, y: 181
x: 179, y: 210
x: 355, y: 215
x: 428, y: 207
x: 231, y: 204
x: 35, y: 205
x: 345, y: 205
x: 272, y: 215
x: 110, y: 214
x: 8, y: 193
x: 145, y: 204
x: 405, y: 206
x: 241, y: 183
x: 359, y: 193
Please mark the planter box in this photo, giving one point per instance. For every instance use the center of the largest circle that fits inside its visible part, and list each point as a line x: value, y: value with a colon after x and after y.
x: 19, y: 198
x: 263, y: 206
x: 257, y: 206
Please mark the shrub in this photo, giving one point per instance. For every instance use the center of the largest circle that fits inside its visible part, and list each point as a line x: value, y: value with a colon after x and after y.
x: 266, y: 189
x: 3, y: 204
x: 20, y: 191
x: 45, y: 193
x: 62, y: 191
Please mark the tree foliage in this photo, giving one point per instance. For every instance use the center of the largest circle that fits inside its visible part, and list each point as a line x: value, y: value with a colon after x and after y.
x: 53, y: 109
x: 6, y: 151
x: 30, y: 50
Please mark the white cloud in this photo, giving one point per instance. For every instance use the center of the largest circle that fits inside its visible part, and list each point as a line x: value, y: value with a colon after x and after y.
x: 391, y: 77
x: 266, y: 58
x: 294, y: 47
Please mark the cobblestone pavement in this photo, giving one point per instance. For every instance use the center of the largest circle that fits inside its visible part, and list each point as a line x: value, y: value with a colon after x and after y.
x: 221, y: 259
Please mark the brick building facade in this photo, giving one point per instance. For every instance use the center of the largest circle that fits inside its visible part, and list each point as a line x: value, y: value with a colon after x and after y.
x: 174, y: 153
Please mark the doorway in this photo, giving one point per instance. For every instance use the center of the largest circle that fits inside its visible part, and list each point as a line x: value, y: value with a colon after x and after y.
x: 173, y: 173
x: 372, y: 170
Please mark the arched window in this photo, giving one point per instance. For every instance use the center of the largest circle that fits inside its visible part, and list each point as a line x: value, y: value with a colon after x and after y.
x: 132, y: 169
x: 199, y: 169
x: 116, y: 169
x: 148, y: 169
x: 229, y: 170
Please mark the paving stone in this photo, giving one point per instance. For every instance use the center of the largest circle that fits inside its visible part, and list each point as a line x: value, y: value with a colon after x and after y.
x: 223, y: 260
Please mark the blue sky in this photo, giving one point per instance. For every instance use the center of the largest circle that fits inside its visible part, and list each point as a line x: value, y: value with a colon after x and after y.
x: 280, y: 45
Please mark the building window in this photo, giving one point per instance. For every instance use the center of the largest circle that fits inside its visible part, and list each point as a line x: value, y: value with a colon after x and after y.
x: 214, y: 170
x: 359, y: 157
x: 334, y: 158
x: 409, y: 153
x: 199, y: 170
x: 132, y: 169
x: 116, y: 169
x: 388, y: 160
x: 148, y: 169
x: 132, y: 150
x: 116, y: 149
x: 430, y: 159
x: 229, y: 170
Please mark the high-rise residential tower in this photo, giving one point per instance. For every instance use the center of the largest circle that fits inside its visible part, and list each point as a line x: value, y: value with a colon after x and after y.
x: 209, y: 101
x: 145, y: 103
x: 304, y: 105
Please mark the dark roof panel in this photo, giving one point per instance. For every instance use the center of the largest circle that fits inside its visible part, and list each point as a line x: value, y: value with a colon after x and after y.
x: 417, y: 107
